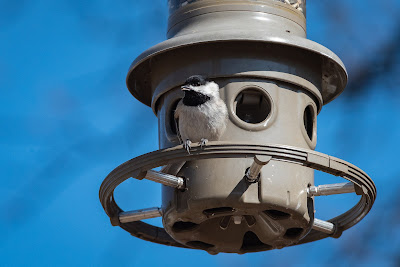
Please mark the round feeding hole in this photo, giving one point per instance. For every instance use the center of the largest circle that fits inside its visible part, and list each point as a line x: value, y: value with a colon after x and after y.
x: 308, y: 119
x: 172, y: 121
x: 252, y: 105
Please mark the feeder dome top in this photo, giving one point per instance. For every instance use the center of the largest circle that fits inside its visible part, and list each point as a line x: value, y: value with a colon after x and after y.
x: 139, y: 78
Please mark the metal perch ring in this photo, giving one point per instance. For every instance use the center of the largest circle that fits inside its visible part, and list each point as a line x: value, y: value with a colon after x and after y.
x: 138, y: 167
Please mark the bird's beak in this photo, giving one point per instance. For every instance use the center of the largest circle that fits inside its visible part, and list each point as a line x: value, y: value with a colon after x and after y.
x: 185, y: 88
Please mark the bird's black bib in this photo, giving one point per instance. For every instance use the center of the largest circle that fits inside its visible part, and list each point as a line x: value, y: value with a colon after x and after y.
x: 193, y: 98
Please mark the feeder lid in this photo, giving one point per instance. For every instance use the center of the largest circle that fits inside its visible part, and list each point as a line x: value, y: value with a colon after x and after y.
x: 333, y: 72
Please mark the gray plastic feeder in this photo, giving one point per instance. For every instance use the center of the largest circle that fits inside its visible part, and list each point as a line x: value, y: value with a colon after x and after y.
x: 244, y: 193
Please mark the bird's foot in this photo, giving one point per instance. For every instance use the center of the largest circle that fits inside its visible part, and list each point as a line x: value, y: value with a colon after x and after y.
x: 203, y: 142
x: 186, y: 145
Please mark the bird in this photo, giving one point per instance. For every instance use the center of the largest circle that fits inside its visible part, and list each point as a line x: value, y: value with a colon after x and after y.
x: 201, y: 115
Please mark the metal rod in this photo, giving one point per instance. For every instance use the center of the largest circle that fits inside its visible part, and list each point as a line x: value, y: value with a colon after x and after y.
x: 255, y: 168
x: 330, y: 189
x: 138, y: 215
x: 324, y: 226
x: 165, y: 179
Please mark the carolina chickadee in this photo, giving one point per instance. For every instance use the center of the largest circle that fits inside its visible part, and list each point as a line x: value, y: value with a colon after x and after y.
x: 201, y: 115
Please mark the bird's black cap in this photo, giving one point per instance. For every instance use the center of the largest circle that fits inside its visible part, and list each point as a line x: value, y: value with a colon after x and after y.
x: 196, y: 80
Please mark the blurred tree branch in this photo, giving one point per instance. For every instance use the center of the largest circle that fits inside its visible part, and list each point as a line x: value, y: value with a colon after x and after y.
x: 381, y: 63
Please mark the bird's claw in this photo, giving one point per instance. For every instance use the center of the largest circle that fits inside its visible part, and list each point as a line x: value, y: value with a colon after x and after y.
x: 186, y: 145
x: 203, y: 142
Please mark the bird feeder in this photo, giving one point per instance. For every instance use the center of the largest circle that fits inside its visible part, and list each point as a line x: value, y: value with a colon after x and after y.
x: 254, y: 189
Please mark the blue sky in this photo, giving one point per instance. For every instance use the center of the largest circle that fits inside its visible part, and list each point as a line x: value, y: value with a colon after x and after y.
x: 68, y: 120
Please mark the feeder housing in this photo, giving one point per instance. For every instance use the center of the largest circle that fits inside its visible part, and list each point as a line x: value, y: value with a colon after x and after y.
x: 242, y: 194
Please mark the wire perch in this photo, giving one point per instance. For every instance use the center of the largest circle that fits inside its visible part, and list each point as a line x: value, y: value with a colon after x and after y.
x: 137, y: 168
